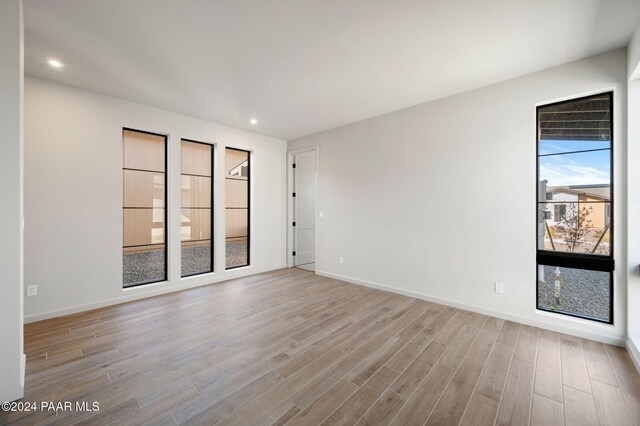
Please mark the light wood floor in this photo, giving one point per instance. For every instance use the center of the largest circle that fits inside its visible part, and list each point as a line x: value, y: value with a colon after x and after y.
x: 290, y: 347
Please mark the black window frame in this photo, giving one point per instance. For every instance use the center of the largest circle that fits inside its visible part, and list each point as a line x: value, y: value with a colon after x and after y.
x: 227, y: 268
x: 212, y: 239
x: 585, y: 261
x: 166, y: 207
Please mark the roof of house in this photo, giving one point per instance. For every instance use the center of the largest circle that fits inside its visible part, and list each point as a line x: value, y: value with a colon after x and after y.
x: 601, y: 191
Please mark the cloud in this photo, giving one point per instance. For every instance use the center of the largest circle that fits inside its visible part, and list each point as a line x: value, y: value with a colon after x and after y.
x: 549, y: 148
x: 562, y: 171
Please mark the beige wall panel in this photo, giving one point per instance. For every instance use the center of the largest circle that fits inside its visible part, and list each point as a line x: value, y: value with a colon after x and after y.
x: 196, y: 224
x: 236, y: 193
x: 143, y: 151
x: 185, y: 244
x: 196, y: 158
x: 236, y: 223
x: 143, y: 226
x: 143, y: 189
x: 596, y: 208
x: 596, y: 214
x: 196, y: 191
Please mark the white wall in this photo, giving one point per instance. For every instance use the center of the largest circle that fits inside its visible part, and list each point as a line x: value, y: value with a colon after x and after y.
x: 634, y: 214
x: 73, y: 197
x: 633, y: 176
x: 633, y: 56
x: 408, y: 197
x: 11, y: 185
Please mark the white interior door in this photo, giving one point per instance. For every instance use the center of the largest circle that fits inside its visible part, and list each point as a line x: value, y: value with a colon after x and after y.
x: 304, y: 182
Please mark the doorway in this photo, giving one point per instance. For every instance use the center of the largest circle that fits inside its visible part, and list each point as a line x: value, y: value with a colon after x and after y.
x: 304, y: 196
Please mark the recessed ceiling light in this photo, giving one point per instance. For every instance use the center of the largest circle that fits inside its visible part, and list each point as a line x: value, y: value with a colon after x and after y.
x: 55, y: 63
x: 253, y: 121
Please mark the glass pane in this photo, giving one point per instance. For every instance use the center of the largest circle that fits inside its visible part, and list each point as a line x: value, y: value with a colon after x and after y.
x: 196, y: 158
x: 586, y: 119
x: 563, y: 146
x: 575, y: 227
x: 143, y: 265
x: 575, y: 291
x: 574, y: 192
x: 196, y: 213
x: 143, y: 189
x: 195, y: 224
x: 236, y: 163
x: 587, y: 173
x: 237, y: 207
x: 236, y: 253
x: 196, y: 258
x: 236, y: 223
x: 143, y: 151
x: 143, y: 214
x: 143, y: 226
x: 196, y: 191
x: 236, y: 193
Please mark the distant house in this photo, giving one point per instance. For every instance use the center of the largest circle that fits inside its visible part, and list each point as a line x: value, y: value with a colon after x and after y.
x: 564, y: 199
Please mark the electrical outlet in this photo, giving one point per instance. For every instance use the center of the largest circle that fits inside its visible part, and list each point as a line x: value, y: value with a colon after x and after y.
x: 341, y: 259
x: 32, y: 290
x: 321, y: 214
x: 499, y: 288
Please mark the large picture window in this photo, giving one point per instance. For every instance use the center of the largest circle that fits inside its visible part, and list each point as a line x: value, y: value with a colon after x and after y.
x: 237, y: 184
x: 574, y: 208
x: 196, y: 213
x: 144, y: 211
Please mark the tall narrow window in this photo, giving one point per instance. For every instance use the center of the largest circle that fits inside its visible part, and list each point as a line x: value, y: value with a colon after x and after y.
x: 237, y: 183
x: 144, y: 208
x: 196, y: 213
x: 575, y: 205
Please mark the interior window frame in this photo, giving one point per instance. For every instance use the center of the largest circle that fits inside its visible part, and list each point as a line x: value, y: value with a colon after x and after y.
x: 584, y: 261
x: 212, y: 146
x: 165, y: 204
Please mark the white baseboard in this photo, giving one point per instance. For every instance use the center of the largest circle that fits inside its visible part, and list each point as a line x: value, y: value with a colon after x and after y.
x: 9, y: 395
x: 12, y: 394
x: 23, y: 368
x: 634, y: 353
x: 151, y: 291
x: 612, y: 340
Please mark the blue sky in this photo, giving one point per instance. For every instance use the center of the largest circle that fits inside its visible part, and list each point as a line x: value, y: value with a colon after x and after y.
x: 575, y: 169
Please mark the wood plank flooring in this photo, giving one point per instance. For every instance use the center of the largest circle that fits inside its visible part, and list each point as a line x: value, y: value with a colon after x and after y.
x: 289, y: 347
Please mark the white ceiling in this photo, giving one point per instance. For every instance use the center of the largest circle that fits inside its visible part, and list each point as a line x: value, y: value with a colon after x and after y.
x: 303, y: 66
